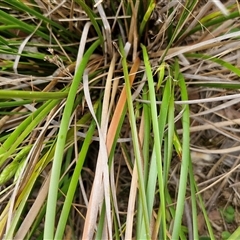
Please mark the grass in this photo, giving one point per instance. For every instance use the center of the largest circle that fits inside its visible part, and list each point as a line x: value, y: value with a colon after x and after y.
x: 119, y: 120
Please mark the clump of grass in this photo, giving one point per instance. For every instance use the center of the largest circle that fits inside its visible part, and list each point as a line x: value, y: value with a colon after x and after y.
x: 118, y: 118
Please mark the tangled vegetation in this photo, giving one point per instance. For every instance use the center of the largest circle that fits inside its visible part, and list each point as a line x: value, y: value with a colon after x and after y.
x: 119, y: 119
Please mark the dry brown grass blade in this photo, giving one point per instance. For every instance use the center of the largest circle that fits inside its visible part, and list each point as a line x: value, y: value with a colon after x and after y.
x: 3, y: 220
x: 25, y: 176
x: 211, y: 126
x: 221, y: 7
x: 131, y: 204
x: 59, y: 73
x: 186, y: 19
x: 233, y: 169
x: 4, y: 119
x: 133, y: 36
x: 106, y: 98
x: 216, y: 41
x: 175, y: 5
x: 217, y: 151
x: 34, y: 211
x: 203, y: 11
x: 28, y: 169
x: 120, y: 106
x: 22, y: 46
x: 107, y: 28
x: 106, y: 110
x: 197, y: 101
x: 101, y: 187
x: 217, y: 108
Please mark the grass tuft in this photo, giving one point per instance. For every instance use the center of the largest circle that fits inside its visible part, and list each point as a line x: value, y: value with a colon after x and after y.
x: 119, y: 119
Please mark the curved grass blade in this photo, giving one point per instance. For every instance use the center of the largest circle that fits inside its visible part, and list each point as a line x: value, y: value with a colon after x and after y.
x: 58, y: 156
x: 92, y: 17
x: 23, y: 7
x: 10, y: 20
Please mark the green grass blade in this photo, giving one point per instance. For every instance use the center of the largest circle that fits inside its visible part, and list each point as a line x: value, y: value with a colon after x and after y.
x: 189, y: 6
x: 185, y: 161
x: 170, y: 129
x: 58, y: 156
x: 147, y: 133
x: 235, y: 235
x: 157, y: 140
x: 23, y: 7
x: 146, y: 154
x: 24, y: 129
x: 16, y: 103
x: 216, y: 21
x: 73, y: 184
x: 9, y: 19
x: 219, y: 61
x: 136, y: 143
x: 147, y: 16
x: 152, y: 173
x: 9, y: 94
x: 92, y: 17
